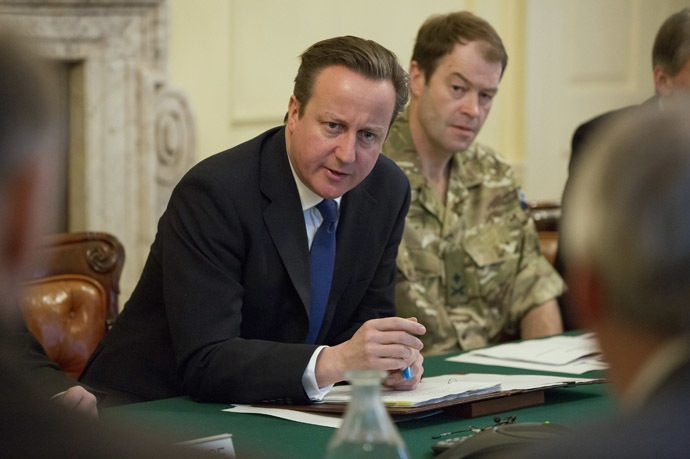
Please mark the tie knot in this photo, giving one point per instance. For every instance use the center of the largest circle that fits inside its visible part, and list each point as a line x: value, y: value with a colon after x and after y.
x: 329, y: 210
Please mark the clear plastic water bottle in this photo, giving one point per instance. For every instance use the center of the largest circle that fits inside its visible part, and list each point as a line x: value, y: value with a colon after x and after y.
x: 367, y: 430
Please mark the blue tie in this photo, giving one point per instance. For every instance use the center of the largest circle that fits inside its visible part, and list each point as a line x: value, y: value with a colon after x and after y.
x: 321, y: 261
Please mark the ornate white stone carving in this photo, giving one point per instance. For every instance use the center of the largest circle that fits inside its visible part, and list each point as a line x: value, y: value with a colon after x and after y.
x: 131, y: 135
x: 175, y: 138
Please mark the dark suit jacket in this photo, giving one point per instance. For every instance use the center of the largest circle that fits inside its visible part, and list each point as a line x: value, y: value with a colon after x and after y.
x: 221, y: 310
x: 582, y: 138
x: 659, y: 429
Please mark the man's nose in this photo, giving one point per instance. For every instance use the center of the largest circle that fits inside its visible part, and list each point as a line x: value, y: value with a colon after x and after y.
x: 470, y: 104
x: 345, y: 151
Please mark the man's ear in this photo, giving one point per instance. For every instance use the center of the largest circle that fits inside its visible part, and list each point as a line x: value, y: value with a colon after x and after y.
x: 293, y: 113
x: 417, y: 79
x: 586, y: 296
x: 662, y: 82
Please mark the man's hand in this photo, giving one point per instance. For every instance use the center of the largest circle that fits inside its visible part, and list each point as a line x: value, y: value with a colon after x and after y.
x: 385, y: 344
x: 79, y: 399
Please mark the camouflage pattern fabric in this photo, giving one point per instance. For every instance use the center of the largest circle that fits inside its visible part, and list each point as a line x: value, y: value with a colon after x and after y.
x: 468, y: 270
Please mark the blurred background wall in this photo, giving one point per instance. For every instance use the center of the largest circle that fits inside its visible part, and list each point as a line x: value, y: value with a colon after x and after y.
x: 568, y: 61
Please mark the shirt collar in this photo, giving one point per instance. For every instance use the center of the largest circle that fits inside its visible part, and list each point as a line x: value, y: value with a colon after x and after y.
x: 306, y: 196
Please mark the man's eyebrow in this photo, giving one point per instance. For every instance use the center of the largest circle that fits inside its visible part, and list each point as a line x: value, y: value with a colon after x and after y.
x: 378, y: 130
x: 375, y: 129
x: 467, y: 81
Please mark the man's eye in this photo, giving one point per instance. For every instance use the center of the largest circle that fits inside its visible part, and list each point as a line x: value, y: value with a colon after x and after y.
x: 368, y: 136
x: 332, y: 126
x: 486, y: 97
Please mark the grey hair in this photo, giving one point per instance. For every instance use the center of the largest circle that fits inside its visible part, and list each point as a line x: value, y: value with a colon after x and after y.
x: 629, y: 217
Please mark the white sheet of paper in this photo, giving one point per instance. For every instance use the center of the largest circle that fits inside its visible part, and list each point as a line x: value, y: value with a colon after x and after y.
x: 324, y: 420
x: 541, y: 355
x: 575, y: 368
x: 521, y: 382
x: 556, y: 350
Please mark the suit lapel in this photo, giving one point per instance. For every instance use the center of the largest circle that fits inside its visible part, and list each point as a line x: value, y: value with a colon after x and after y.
x: 285, y: 223
x: 283, y: 213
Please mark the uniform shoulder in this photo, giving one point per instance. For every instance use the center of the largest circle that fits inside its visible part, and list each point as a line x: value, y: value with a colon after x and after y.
x: 588, y: 129
x: 487, y: 160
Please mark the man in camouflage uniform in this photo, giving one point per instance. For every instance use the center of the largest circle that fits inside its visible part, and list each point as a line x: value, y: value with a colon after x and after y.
x: 469, y: 265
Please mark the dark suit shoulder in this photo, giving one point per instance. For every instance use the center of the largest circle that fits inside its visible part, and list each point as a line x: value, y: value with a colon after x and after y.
x: 386, y: 179
x: 589, y: 129
x: 239, y: 163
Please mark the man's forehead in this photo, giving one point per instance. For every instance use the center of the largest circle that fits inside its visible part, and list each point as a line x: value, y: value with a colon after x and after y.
x: 470, y: 52
x: 339, y: 93
x: 341, y: 71
x: 468, y: 63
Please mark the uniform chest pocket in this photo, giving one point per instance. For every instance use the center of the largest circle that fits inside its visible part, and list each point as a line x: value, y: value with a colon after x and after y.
x: 493, y: 243
x: 495, y: 250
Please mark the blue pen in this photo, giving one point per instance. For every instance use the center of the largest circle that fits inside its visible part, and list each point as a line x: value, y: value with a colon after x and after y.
x: 406, y: 373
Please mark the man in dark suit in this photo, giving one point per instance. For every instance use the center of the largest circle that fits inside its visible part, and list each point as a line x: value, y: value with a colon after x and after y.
x: 627, y: 250
x: 671, y: 72
x: 223, y: 309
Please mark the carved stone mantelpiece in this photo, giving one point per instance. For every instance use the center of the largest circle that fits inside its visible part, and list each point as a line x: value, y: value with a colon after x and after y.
x: 131, y: 135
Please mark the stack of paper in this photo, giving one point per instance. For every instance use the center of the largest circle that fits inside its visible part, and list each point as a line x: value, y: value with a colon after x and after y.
x: 560, y: 354
x: 430, y: 390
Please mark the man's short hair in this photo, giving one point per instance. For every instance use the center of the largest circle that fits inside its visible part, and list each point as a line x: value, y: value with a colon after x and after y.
x: 672, y: 44
x: 440, y: 33
x: 27, y: 101
x: 628, y: 217
x: 365, y: 57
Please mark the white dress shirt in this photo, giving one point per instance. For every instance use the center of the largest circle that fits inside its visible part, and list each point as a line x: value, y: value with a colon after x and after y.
x: 312, y: 220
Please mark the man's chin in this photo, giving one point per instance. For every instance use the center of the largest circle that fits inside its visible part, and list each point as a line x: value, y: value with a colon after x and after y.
x: 459, y: 147
x: 332, y: 191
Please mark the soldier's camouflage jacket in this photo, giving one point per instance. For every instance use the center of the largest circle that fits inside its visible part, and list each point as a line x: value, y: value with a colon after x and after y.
x: 469, y: 270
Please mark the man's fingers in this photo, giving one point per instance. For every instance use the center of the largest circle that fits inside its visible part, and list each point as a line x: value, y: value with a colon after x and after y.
x: 398, y: 337
x: 79, y: 399
x: 396, y: 381
x: 396, y: 357
x: 389, y: 331
x: 88, y: 407
x: 398, y: 324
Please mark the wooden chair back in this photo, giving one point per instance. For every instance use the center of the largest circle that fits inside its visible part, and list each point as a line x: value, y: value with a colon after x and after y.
x: 71, y: 300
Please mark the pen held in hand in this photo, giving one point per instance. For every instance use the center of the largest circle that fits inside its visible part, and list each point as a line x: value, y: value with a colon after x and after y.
x: 406, y: 373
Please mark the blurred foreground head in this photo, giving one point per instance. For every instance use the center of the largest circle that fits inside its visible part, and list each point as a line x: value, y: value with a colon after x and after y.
x: 28, y: 157
x: 627, y: 243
